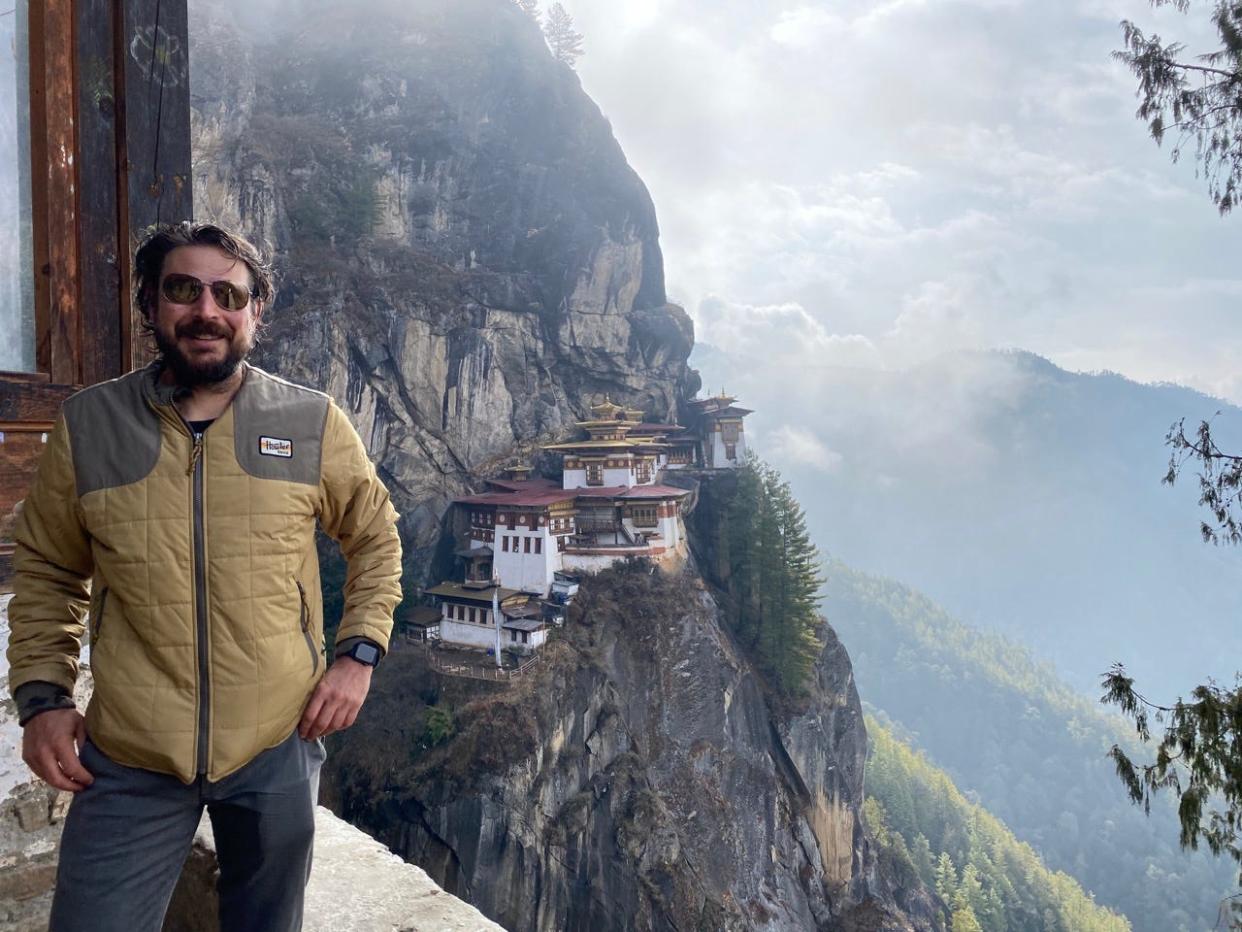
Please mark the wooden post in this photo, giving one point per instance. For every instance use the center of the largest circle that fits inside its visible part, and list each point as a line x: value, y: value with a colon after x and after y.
x: 104, y: 313
x: 53, y: 195
x: 154, y: 127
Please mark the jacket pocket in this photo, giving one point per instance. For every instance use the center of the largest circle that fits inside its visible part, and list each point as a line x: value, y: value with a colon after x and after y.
x: 97, y: 615
x: 306, y: 631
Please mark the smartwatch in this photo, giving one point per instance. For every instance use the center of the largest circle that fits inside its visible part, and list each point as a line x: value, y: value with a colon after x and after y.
x: 364, y: 652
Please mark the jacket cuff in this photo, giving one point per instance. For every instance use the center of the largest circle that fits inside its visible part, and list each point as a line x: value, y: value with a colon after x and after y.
x: 37, y: 696
x: 346, y: 645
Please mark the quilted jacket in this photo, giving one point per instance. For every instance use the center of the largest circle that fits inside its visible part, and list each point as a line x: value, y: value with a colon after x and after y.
x: 194, y: 564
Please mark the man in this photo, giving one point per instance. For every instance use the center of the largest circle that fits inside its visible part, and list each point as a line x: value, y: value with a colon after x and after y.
x: 179, y: 504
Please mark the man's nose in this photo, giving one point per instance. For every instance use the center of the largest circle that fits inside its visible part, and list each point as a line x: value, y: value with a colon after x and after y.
x: 205, y: 304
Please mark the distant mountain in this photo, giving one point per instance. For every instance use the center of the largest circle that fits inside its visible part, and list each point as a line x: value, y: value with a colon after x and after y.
x: 1016, y: 739
x: 1021, y: 497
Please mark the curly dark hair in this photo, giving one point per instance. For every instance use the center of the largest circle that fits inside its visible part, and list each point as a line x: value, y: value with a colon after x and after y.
x: 162, y: 239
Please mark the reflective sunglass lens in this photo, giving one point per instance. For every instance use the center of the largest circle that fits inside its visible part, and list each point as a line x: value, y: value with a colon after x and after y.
x: 182, y: 289
x: 229, y: 296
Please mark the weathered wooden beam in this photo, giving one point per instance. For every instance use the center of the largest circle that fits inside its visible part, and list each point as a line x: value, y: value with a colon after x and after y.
x: 104, y: 311
x: 154, y: 124
x: 32, y: 400
x: 61, y: 339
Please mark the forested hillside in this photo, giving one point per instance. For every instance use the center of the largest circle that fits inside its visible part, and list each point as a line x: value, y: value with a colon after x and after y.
x: 989, y: 880
x: 1013, y: 736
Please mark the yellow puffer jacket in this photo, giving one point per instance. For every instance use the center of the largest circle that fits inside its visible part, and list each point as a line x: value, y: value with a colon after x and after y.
x: 198, y: 565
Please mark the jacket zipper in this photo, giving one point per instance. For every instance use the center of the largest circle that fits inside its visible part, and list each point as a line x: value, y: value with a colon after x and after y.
x: 305, y: 621
x: 200, y: 600
x: 97, y: 617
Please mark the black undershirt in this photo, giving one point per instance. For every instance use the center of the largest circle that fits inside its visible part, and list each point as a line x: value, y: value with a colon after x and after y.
x: 199, y: 426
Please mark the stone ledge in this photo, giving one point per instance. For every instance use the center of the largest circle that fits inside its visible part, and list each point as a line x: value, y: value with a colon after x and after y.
x: 356, y: 885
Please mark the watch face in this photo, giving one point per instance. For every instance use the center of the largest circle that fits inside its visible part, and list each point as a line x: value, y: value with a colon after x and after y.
x: 366, y: 653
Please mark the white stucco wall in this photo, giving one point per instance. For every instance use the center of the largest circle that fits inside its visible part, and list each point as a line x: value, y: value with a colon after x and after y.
x: 462, y: 632
x: 592, y: 562
x: 719, y: 460
x: 670, y: 530
x: 528, y: 571
x: 623, y: 477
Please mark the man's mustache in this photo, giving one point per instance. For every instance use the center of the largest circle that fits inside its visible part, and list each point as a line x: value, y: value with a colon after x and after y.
x: 202, y: 330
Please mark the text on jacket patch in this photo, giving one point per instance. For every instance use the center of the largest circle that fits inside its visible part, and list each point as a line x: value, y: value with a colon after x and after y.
x: 275, y: 446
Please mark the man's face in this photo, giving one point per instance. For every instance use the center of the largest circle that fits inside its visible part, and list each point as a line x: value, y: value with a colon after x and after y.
x: 204, y: 343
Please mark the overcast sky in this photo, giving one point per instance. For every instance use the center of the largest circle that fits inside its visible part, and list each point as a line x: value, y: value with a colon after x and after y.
x: 873, y: 183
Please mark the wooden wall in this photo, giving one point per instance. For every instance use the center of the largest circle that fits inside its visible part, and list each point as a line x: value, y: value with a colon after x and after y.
x: 109, y: 157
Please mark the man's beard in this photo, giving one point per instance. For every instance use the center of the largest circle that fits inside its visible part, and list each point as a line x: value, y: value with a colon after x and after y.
x: 190, y: 374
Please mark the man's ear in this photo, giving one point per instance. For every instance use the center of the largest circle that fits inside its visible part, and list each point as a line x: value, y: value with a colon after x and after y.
x: 258, y: 309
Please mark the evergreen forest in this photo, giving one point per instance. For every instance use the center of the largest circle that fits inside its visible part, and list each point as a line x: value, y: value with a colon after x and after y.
x: 990, y: 881
x: 1017, y: 740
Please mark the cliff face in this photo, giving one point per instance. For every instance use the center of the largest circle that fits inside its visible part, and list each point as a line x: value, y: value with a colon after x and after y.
x: 468, y: 261
x: 638, y: 780
x: 466, y: 258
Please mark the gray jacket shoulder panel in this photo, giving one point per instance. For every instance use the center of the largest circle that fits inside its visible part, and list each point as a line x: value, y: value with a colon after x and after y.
x: 113, y: 433
x: 278, y: 428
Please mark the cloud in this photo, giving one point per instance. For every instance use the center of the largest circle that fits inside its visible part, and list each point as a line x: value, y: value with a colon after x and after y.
x: 772, y: 334
x: 797, y: 446
x: 887, y: 181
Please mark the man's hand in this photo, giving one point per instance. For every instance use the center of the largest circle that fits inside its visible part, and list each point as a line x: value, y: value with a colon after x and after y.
x: 50, y: 743
x: 336, y: 700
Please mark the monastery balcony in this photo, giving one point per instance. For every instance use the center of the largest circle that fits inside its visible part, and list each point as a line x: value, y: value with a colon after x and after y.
x: 597, y: 525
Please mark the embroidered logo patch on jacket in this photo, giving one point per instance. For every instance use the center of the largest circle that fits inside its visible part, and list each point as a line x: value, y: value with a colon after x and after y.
x: 275, y: 446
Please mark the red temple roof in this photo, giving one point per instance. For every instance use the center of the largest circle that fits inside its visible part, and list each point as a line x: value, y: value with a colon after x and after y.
x: 638, y: 491
x: 532, y: 498
x: 522, y: 485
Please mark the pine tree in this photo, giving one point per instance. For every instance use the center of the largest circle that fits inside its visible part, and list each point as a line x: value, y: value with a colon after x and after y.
x: 924, y: 860
x: 530, y: 8
x: 946, y: 877
x: 794, y: 596
x: 1198, y: 99
x: 774, y: 580
x: 563, y: 39
x: 964, y: 919
x: 742, y: 540
x: 970, y: 891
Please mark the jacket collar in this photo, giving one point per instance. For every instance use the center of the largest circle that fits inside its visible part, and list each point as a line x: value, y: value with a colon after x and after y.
x: 162, y: 394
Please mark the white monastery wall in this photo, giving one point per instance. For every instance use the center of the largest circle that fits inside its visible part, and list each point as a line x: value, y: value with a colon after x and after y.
x: 522, y: 570
x: 462, y: 632
x: 623, y: 477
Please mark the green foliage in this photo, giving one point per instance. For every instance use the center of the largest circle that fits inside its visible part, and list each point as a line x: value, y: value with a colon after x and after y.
x: 1199, y: 100
x: 990, y: 881
x: 964, y: 920
x: 563, y: 40
x: 774, y: 578
x: 342, y: 206
x: 1199, y: 755
x: 438, y: 726
x: 1030, y: 749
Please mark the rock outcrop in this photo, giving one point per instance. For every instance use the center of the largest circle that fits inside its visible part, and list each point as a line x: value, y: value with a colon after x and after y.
x: 466, y: 258
x: 639, y: 780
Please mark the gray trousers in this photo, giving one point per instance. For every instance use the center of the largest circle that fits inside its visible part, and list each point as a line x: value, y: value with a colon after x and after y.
x: 127, y: 836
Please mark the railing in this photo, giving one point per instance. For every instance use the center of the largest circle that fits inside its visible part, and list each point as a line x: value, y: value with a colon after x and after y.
x: 449, y: 667
x: 597, y: 525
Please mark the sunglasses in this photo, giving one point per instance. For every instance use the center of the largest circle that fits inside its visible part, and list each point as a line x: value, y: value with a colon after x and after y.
x: 185, y: 289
